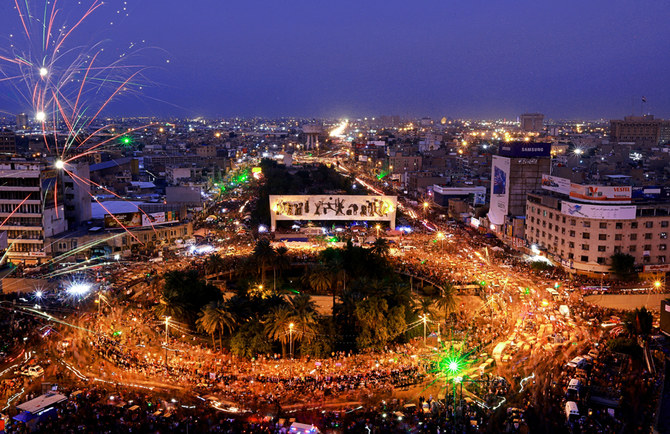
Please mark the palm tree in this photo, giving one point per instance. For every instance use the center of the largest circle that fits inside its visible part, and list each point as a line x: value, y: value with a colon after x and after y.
x: 213, y: 318
x: 281, y: 262
x: 263, y: 254
x: 214, y: 264
x: 277, y: 323
x: 319, y: 278
x: 446, y: 300
x: 169, y: 304
x: 381, y: 247
x: 305, y: 318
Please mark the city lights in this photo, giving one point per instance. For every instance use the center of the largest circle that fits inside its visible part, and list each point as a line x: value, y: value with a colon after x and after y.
x: 79, y: 289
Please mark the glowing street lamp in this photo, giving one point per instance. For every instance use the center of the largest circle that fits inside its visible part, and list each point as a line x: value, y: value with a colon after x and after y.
x: 167, y: 322
x: 290, y: 338
x: 441, y: 237
x: 425, y: 319
x: 377, y: 227
x: 79, y: 289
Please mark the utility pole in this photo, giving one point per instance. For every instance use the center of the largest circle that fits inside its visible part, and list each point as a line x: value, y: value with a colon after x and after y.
x: 167, y: 321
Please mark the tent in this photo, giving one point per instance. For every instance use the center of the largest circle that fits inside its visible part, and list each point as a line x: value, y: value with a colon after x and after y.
x: 303, y: 428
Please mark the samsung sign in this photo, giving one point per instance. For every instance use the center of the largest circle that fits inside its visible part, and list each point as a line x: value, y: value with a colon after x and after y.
x: 524, y: 150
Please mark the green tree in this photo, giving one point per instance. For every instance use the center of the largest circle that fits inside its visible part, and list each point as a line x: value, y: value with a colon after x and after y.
x: 379, y: 324
x: 250, y: 340
x: 277, y: 323
x: 263, y: 255
x: 622, y: 264
x: 214, y: 264
x: 381, y: 248
x: 215, y: 318
x: 305, y: 318
x: 184, y: 294
x: 446, y: 300
x: 319, y: 278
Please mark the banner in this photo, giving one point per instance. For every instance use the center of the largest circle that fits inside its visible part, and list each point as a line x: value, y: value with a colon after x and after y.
x: 333, y: 207
x: 154, y: 218
x: 557, y: 184
x: 499, y: 190
x: 656, y: 268
x: 598, y: 212
x: 601, y: 193
x: 127, y: 219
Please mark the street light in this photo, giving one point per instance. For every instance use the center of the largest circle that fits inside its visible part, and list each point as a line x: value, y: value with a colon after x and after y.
x: 425, y: 207
x: 425, y: 319
x: 167, y: 321
x: 377, y: 227
x: 290, y: 338
x: 440, y: 236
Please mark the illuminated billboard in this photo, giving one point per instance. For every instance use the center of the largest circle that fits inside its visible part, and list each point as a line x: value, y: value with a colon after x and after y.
x: 499, y: 207
x: 123, y: 220
x: 601, y: 193
x: 556, y: 184
x: 598, y: 211
x: 333, y: 207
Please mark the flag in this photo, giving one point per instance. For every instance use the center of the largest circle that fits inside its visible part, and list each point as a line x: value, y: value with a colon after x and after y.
x: 644, y: 99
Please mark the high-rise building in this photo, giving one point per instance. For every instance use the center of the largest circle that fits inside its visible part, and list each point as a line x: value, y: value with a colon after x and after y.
x: 515, y: 172
x: 7, y: 142
x: 641, y: 130
x: 22, y: 121
x: 31, y: 201
x: 77, y: 197
x: 532, y: 122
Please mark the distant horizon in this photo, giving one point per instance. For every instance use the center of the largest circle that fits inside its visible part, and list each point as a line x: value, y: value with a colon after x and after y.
x: 469, y: 60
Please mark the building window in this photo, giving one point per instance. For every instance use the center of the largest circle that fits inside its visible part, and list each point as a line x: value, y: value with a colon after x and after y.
x: 664, y: 224
x: 661, y: 259
x: 618, y: 249
x: 563, y: 231
x: 662, y: 247
x: 633, y: 225
x: 544, y: 213
x: 586, y: 235
x: 633, y: 237
x: 562, y: 241
x: 647, y: 236
x: 619, y: 225
x: 587, y: 224
x: 618, y: 237
x: 571, y: 244
x: 585, y: 246
x: 602, y: 236
x: 551, y: 215
x: 602, y: 260
x: 573, y: 222
x: 647, y: 247
x: 571, y: 256
x: 563, y: 219
x: 632, y: 248
x: 572, y: 233
x: 584, y: 258
x: 648, y: 225
x: 602, y: 248
x: 646, y: 259
x: 664, y: 235
x: 603, y: 225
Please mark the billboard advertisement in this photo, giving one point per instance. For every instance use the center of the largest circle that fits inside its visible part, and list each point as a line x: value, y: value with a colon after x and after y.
x: 525, y: 150
x: 154, y: 218
x: 557, y: 184
x: 123, y: 219
x: 499, y: 206
x: 601, y: 193
x: 598, y: 211
x: 333, y: 207
x: 658, y: 268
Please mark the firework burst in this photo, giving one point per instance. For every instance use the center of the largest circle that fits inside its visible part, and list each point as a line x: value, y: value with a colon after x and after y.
x: 66, y: 84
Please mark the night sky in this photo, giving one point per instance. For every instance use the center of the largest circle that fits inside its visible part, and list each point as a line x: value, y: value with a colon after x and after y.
x: 474, y: 58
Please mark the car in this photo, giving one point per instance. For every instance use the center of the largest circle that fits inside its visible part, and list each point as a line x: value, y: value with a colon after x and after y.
x: 32, y: 371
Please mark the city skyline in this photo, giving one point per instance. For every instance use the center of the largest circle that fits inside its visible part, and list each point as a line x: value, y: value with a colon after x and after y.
x: 347, y: 60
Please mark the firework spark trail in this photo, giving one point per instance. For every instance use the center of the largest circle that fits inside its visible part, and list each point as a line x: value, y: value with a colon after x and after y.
x: 18, y: 8
x: 13, y: 212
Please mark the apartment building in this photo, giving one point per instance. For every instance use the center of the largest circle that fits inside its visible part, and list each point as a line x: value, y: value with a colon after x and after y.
x: 583, y: 237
